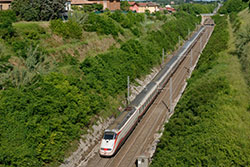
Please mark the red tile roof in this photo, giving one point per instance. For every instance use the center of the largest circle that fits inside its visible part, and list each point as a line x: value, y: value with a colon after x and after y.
x: 152, y: 4
x: 131, y: 3
x: 142, y: 4
x: 80, y: 2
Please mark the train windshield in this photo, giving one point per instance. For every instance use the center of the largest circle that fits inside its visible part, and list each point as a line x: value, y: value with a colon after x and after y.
x: 109, y: 135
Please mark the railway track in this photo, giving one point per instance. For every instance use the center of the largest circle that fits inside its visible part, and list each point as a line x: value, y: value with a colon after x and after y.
x: 143, y: 135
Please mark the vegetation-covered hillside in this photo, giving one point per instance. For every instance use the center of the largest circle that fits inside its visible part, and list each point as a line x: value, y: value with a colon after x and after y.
x: 211, y: 124
x: 57, y: 78
x: 197, y: 8
x: 233, y: 6
x: 242, y: 36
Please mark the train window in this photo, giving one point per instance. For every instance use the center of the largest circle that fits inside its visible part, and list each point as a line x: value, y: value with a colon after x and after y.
x: 109, y: 136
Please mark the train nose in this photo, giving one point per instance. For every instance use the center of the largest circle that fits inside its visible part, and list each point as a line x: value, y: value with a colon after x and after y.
x: 107, y: 144
x: 106, y: 147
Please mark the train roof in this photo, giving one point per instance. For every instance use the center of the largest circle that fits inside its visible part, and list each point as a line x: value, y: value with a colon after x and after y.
x: 175, y: 57
x: 126, y: 114
x: 122, y: 118
x: 142, y: 94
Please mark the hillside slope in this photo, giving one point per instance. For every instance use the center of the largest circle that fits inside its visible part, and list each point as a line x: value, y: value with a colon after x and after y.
x: 211, y: 126
x: 243, y: 43
x: 45, y: 105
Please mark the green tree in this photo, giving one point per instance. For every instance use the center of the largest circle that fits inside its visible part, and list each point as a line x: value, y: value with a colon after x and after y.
x: 6, y: 20
x: 38, y: 9
x: 125, y: 5
x: 233, y: 6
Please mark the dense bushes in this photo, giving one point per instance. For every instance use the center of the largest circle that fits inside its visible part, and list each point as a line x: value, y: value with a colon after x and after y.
x: 243, y: 44
x: 31, y: 60
x: 107, y: 23
x: 125, y: 6
x: 196, y: 8
x: 7, y: 15
x: 38, y: 9
x: 243, y: 51
x: 27, y: 37
x: 232, y: 6
x: 108, y: 72
x: 102, y: 24
x: 167, y: 37
x: 6, y: 19
x: 69, y: 29
x: 128, y: 20
x: 44, y: 118
x: 202, y: 131
x: 235, y: 21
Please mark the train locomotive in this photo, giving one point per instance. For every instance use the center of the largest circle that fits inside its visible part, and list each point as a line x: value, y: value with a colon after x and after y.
x: 118, y: 132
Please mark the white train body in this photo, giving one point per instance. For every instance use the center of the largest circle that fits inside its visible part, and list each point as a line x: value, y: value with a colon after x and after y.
x: 118, y: 132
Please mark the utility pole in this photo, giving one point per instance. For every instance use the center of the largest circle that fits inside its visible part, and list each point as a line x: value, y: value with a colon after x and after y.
x: 188, y: 33
x: 207, y: 35
x: 162, y: 60
x: 201, y: 44
x: 191, y: 60
x: 179, y: 42
x: 170, y: 96
x: 128, y: 91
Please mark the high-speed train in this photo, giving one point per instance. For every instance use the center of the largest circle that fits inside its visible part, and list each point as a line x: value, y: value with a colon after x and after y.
x: 118, y: 132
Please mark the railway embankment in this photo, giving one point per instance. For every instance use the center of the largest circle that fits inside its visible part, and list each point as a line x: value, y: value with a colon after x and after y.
x: 50, y: 94
x: 211, y: 124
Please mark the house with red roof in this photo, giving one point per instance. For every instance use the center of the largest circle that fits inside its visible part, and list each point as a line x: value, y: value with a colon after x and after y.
x: 133, y: 6
x: 170, y: 9
x: 142, y: 7
x: 107, y: 4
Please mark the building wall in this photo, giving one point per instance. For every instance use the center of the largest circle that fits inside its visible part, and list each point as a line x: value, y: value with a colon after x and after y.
x: 113, y: 4
x: 141, y: 9
x: 151, y: 9
x: 134, y: 8
x: 107, y: 4
x: 4, y: 6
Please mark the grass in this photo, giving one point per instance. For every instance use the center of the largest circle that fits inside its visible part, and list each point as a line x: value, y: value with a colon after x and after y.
x: 90, y: 45
x: 244, y: 17
x: 245, y: 48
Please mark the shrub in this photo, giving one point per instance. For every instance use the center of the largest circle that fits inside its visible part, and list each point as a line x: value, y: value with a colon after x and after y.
x: 235, y: 21
x: 197, y: 8
x: 102, y: 24
x: 136, y: 31
x: 69, y: 29
x: 7, y: 15
x: 38, y: 10
x: 130, y: 20
x: 232, y: 6
x: 6, y: 19
x: 6, y: 29
x: 125, y: 6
